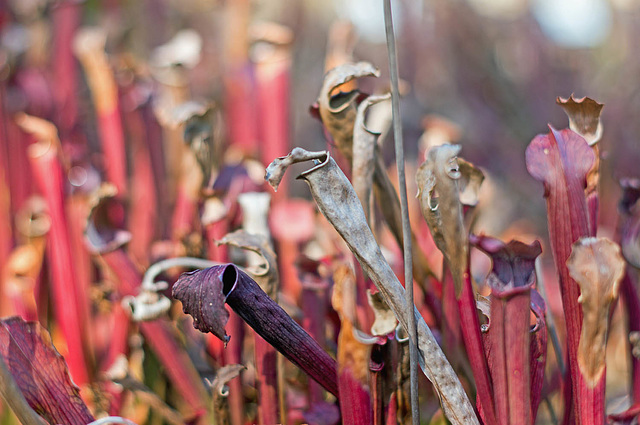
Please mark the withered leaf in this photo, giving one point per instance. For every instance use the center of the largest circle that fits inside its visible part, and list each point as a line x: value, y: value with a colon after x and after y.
x: 338, y: 111
x: 41, y: 373
x: 338, y: 202
x: 364, y: 152
x: 597, y: 266
x: 202, y: 296
x: 441, y: 187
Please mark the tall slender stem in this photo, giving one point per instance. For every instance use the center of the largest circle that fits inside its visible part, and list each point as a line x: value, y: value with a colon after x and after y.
x: 406, y: 228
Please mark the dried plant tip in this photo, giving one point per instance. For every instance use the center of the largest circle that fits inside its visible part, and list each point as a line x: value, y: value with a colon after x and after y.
x: 442, y: 184
x: 45, y: 132
x: 275, y: 171
x: 265, y: 273
x: 88, y: 46
x: 224, y: 375
x: 338, y: 110
x: 471, y: 179
x: 364, y: 151
x: 32, y: 220
x: 183, y: 49
x: 597, y: 266
x: 584, y: 117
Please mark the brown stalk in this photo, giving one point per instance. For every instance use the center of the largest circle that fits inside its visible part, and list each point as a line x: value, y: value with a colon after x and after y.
x: 68, y: 296
x: 338, y: 202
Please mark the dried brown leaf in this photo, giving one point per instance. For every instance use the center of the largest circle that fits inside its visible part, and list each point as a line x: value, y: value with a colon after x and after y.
x: 597, y: 266
x: 364, y: 153
x: 338, y: 111
x: 445, y: 184
x: 338, y: 202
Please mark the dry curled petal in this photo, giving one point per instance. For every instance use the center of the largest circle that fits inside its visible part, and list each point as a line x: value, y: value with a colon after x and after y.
x: 597, y: 266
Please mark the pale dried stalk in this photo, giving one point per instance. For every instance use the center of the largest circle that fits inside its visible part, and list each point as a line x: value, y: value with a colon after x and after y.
x: 338, y: 202
x: 364, y: 154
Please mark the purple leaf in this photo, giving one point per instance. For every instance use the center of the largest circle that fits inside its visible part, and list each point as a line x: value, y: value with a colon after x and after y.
x: 41, y: 373
x: 203, y: 294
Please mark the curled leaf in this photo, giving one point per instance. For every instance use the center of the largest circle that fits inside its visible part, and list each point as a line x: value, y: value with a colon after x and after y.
x: 41, y: 373
x: 338, y: 202
x: 224, y: 375
x: 275, y: 171
x: 220, y: 392
x: 584, y: 117
x: 597, y: 266
x: 265, y: 273
x: 338, y: 111
x: 364, y: 152
x: 203, y: 294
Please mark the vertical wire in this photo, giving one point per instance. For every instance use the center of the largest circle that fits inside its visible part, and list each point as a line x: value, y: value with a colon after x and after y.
x: 406, y: 227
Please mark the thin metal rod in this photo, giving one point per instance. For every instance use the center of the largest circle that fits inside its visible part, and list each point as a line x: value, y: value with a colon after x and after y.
x: 406, y: 227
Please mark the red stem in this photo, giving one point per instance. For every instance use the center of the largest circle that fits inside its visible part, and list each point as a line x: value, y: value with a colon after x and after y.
x: 67, y: 295
x: 266, y: 382
x: 66, y: 19
x: 314, y: 305
x: 472, y: 338
x: 631, y: 300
